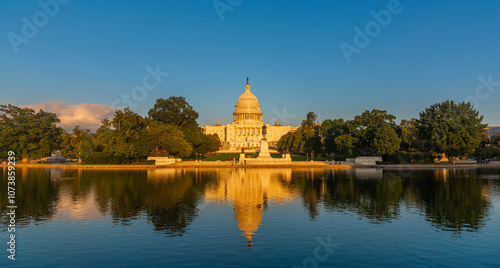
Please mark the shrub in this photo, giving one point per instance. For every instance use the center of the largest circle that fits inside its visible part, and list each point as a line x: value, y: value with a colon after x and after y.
x: 104, y: 158
x: 408, y: 158
x: 491, y: 151
x: 342, y: 157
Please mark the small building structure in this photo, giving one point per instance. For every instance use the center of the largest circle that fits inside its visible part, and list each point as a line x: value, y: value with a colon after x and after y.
x: 364, y: 160
x: 164, y: 160
x: 55, y: 158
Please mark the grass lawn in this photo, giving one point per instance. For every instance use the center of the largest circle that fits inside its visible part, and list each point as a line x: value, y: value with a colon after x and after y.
x: 304, y: 158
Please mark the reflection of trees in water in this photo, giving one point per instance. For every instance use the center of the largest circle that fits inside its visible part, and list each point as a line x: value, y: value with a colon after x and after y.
x: 168, y: 202
x: 172, y: 220
x: 453, y: 200
x: 310, y: 184
x: 340, y: 190
x: 456, y: 201
x: 37, y: 195
x: 376, y: 199
x: 173, y: 202
x: 455, y: 204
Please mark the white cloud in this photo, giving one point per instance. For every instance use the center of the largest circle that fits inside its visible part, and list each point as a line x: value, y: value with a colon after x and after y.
x: 86, y: 115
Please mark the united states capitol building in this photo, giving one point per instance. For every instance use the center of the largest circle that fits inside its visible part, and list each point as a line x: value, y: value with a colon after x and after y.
x: 246, y: 130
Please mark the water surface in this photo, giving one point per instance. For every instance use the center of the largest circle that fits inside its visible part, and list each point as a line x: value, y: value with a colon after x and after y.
x: 254, y: 217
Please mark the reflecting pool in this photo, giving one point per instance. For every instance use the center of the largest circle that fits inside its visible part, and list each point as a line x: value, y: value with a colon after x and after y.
x: 253, y: 217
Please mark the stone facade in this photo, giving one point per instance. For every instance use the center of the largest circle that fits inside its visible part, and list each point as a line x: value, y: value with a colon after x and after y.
x: 246, y: 130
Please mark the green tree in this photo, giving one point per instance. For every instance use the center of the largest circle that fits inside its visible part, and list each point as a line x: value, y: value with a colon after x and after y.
x: 495, y: 139
x: 491, y: 151
x: 28, y: 133
x: 366, y: 131
x: 129, y: 137
x: 310, y: 131
x: 174, y: 110
x: 177, y: 111
x: 292, y: 141
x: 81, y: 142
x: 310, y: 120
x: 330, y: 131
x: 407, y: 133
x: 344, y: 144
x: 66, y: 149
x: 200, y: 142
x: 211, y: 143
x: 166, y: 137
x: 119, y: 140
x: 450, y: 128
x: 129, y: 127
x: 385, y: 140
x: 488, y: 147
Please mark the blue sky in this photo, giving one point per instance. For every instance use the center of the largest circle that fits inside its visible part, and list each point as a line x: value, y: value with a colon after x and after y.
x: 93, y: 52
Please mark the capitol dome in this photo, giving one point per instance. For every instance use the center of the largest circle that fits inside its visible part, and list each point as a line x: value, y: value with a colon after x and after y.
x: 247, y: 108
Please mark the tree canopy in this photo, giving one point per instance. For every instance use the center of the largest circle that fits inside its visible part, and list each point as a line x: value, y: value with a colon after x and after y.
x: 366, y: 130
x: 450, y: 128
x: 333, y: 129
x: 129, y: 136
x: 28, y: 133
x: 292, y: 141
x: 310, y: 131
x: 177, y: 111
x: 385, y: 140
x: 171, y: 129
x: 174, y: 110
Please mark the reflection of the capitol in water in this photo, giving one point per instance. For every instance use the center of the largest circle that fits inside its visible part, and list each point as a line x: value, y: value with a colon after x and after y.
x: 250, y: 191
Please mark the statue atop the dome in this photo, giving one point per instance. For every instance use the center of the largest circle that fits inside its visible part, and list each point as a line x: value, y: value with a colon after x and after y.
x: 247, y: 80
